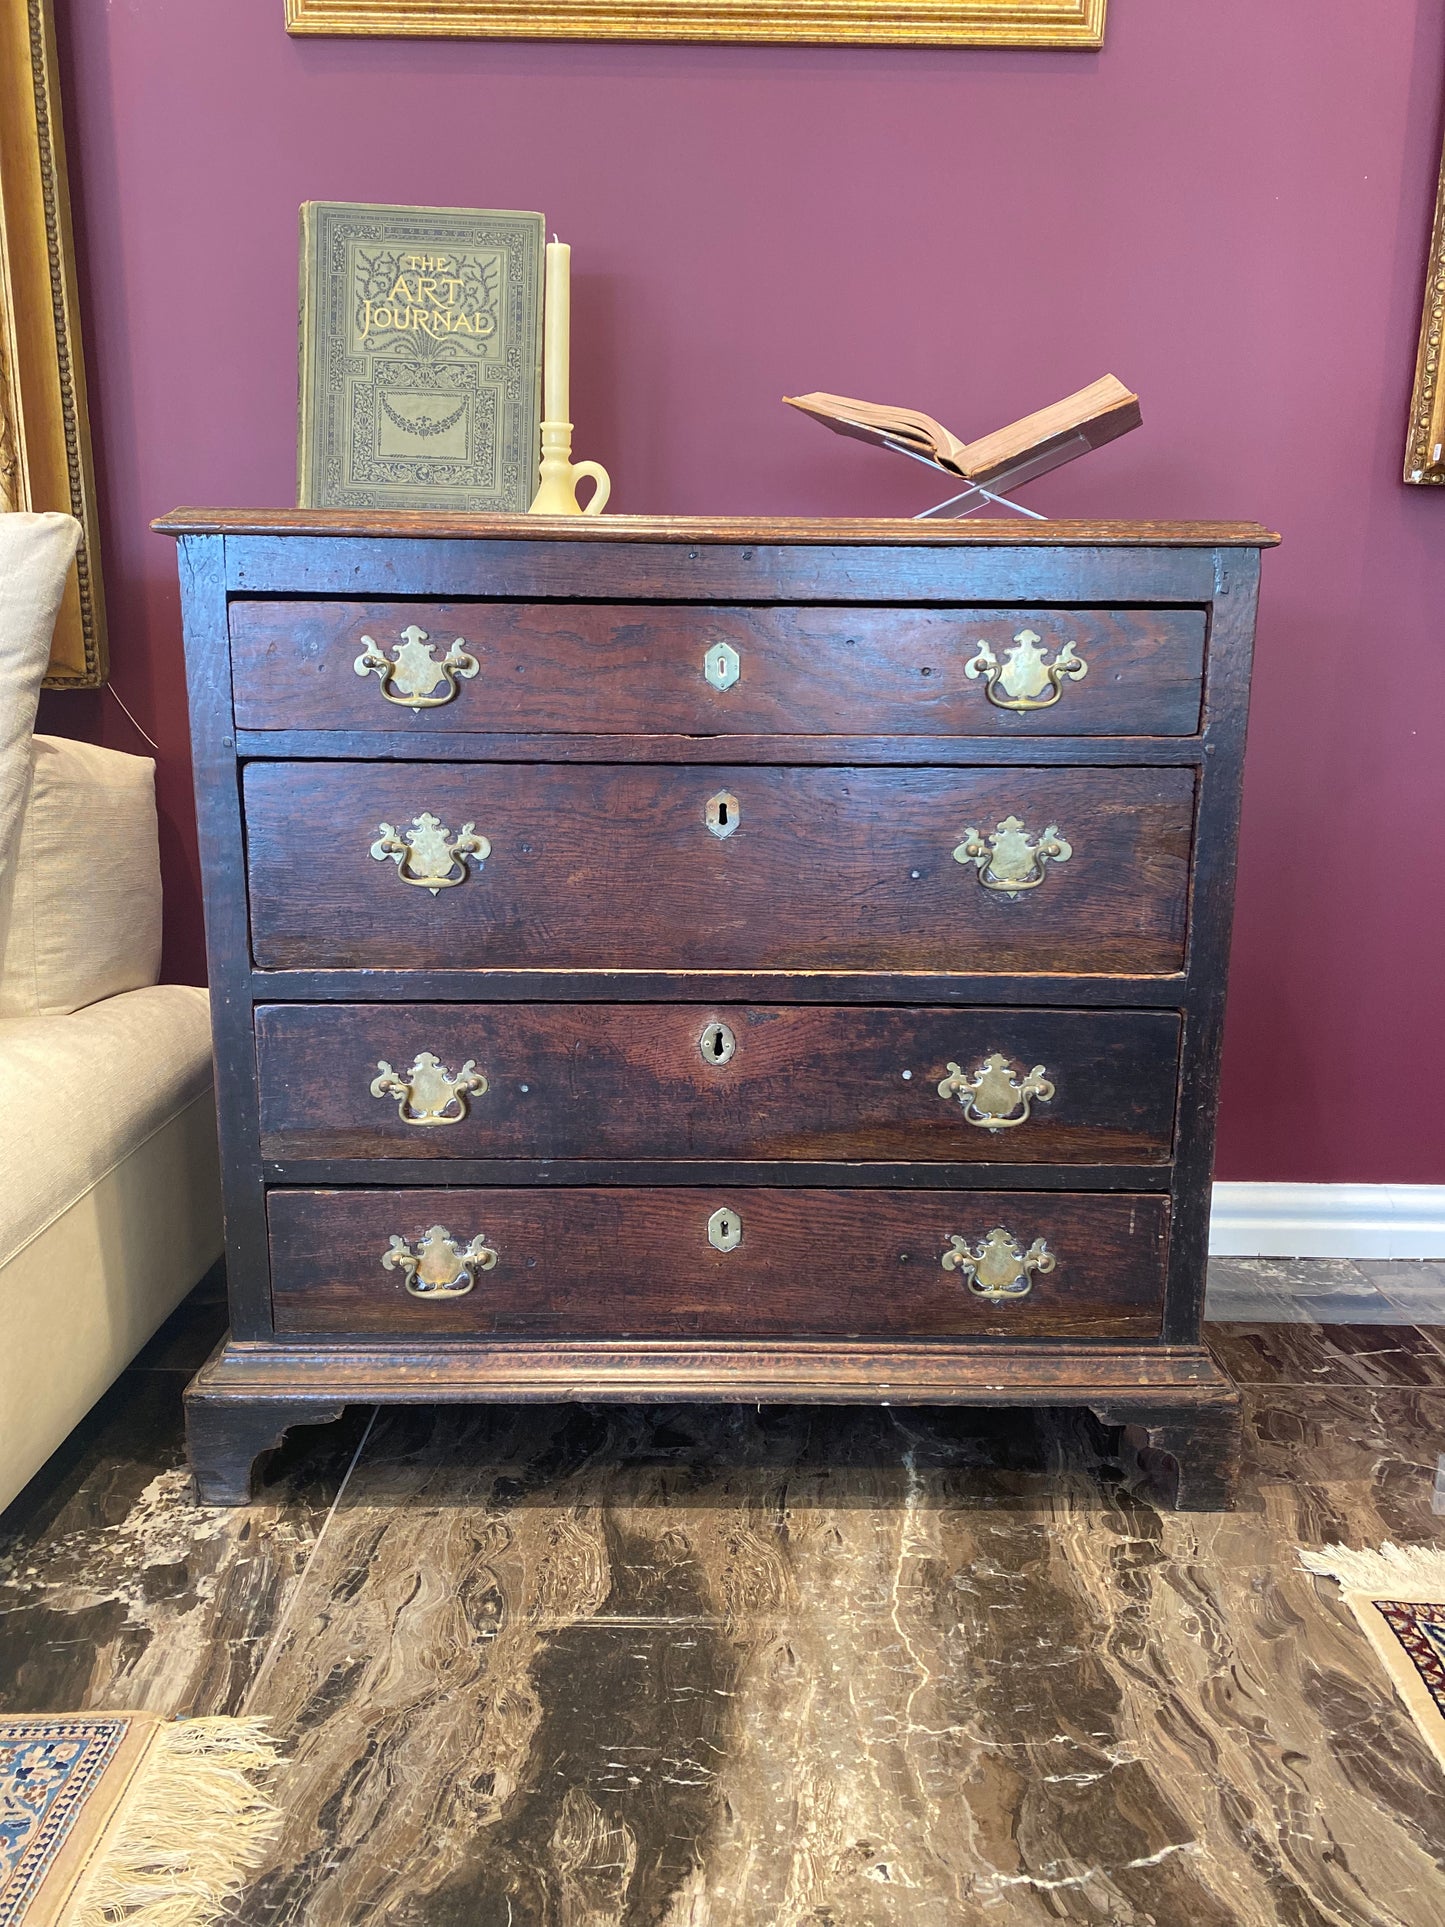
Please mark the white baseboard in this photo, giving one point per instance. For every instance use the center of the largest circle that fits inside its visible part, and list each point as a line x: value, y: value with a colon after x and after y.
x: 1328, y: 1221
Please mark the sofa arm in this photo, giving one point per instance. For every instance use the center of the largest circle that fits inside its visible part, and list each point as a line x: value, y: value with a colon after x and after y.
x: 84, y: 918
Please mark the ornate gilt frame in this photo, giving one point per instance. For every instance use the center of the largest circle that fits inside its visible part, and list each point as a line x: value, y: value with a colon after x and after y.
x: 44, y: 432
x: 1425, y: 445
x: 929, y: 23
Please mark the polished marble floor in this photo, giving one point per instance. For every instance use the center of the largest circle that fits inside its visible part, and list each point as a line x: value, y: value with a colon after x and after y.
x: 720, y: 1667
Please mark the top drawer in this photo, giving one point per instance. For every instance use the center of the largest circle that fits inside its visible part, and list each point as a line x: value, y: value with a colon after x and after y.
x: 688, y: 669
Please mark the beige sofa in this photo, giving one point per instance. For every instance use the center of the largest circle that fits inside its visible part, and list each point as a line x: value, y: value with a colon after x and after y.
x: 110, y: 1203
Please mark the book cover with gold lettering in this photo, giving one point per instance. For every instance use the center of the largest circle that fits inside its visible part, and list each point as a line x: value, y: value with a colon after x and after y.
x: 421, y: 357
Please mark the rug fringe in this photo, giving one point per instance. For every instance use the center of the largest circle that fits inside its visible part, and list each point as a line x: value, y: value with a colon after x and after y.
x: 193, y: 1822
x: 1414, y: 1573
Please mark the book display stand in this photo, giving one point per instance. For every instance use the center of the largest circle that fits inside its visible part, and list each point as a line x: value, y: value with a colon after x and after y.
x: 951, y: 509
x: 994, y: 463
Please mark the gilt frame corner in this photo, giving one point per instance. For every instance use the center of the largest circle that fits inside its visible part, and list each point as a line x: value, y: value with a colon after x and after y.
x: 1425, y: 442
x: 922, y: 23
x: 45, y: 457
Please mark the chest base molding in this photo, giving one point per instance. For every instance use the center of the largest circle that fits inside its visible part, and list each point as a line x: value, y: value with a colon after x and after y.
x: 1178, y: 1414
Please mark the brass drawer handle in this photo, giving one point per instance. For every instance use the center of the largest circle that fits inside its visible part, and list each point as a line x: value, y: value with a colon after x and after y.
x: 428, y: 855
x: 1007, y: 861
x: 996, y: 1097
x: 998, y: 1267
x: 439, y: 1267
x: 428, y: 1094
x: 414, y: 672
x: 1024, y: 675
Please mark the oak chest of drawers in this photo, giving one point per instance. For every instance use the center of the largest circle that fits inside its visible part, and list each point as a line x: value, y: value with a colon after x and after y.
x: 719, y: 960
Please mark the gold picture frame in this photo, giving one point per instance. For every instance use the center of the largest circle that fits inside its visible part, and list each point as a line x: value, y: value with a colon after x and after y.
x: 1425, y: 444
x: 922, y: 23
x: 44, y: 431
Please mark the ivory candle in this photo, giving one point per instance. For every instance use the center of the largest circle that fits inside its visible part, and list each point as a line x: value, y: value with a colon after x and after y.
x: 557, y: 316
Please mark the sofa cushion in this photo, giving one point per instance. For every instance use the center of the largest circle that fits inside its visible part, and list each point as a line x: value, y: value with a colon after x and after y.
x: 78, y: 1093
x: 36, y: 552
x: 85, y: 913
x: 79, y: 1301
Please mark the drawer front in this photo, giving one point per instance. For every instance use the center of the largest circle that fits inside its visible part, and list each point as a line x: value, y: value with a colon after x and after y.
x: 717, y: 1263
x: 438, y: 865
x: 688, y: 669
x: 689, y: 1081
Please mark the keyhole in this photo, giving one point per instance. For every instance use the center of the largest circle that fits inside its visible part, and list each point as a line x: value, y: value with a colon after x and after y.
x: 722, y: 814
x: 724, y: 1230
x: 717, y: 1044
x: 722, y: 665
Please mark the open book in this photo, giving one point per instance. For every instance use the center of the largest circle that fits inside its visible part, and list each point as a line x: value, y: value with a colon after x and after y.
x: 1009, y: 455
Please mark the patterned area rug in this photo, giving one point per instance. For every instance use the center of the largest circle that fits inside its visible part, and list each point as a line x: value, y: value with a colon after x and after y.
x: 1398, y: 1596
x: 125, y: 1817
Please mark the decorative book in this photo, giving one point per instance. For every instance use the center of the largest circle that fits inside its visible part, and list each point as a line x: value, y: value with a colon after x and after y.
x: 1026, y: 448
x: 421, y: 357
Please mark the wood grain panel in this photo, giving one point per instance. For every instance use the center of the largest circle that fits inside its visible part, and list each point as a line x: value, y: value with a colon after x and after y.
x: 605, y: 866
x: 626, y: 1262
x: 632, y: 1081
x: 638, y: 669
x: 578, y: 568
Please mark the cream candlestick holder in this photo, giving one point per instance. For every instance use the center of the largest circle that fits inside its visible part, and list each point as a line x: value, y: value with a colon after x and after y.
x: 557, y: 490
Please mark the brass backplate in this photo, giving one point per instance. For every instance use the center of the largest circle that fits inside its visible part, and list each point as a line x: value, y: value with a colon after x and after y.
x: 725, y: 1230
x: 722, y: 665
x: 717, y: 1043
x: 722, y: 813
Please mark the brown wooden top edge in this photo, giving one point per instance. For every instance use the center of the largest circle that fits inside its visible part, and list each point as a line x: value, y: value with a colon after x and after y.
x: 841, y: 532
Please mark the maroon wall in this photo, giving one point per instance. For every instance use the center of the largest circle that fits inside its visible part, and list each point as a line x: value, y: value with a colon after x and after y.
x: 1228, y: 208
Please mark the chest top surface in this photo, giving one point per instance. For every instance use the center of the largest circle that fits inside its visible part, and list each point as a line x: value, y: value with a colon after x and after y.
x: 867, y: 531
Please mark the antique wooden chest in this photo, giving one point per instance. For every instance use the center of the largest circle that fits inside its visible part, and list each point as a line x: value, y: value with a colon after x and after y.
x: 661, y: 959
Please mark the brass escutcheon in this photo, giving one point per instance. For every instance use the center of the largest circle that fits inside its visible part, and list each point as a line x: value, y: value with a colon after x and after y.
x: 439, y: 1267
x: 428, y: 855
x: 996, y: 1097
x: 998, y: 1267
x: 1007, y: 861
x: 717, y: 1043
x: 1024, y: 675
x: 414, y: 672
x: 722, y: 665
x: 725, y: 1230
x: 722, y: 813
x: 428, y: 1094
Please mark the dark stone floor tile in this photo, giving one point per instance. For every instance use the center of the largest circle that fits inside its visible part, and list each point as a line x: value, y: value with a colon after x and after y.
x: 1301, y: 1354
x: 1241, y: 1288
x: 721, y: 1666
x: 1364, y: 1307
x: 838, y: 1456
x: 1315, y: 1277
x: 1345, y: 1464
x: 1324, y: 1291
x: 1252, y: 1308
x: 1415, y: 1286
x: 116, y: 1589
x: 592, y: 1667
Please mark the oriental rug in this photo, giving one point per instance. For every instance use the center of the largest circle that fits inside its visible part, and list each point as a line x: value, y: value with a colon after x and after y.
x: 127, y: 1817
x: 1398, y: 1596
